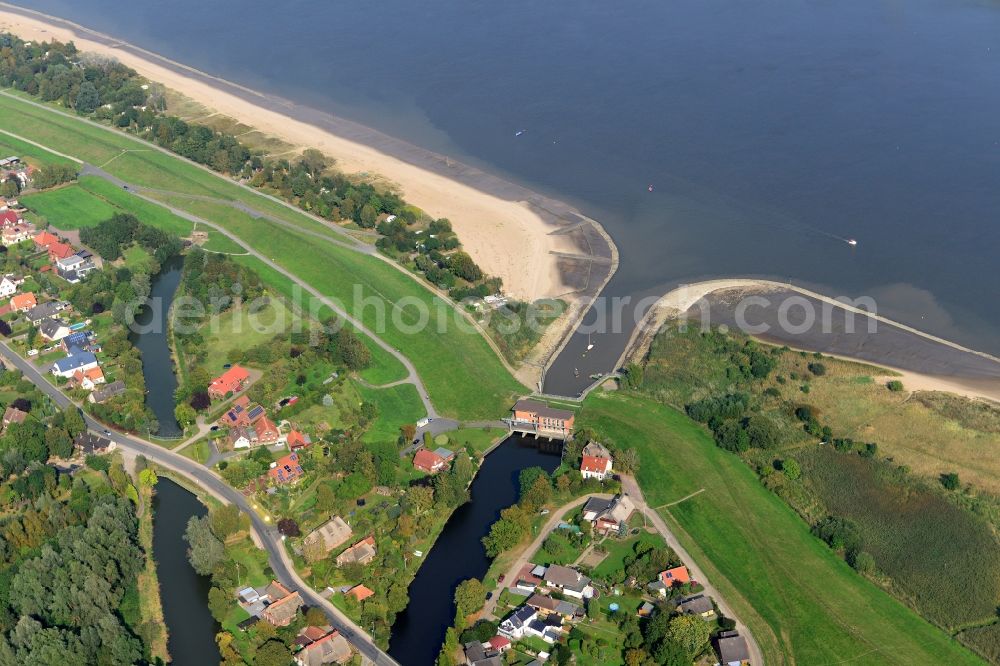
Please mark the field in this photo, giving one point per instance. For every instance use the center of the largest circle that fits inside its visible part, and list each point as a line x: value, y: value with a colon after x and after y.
x: 914, y: 534
x: 69, y: 207
x: 32, y: 154
x: 462, y: 373
x: 238, y: 329
x: 619, y: 549
x: 803, y: 603
x: 397, y: 405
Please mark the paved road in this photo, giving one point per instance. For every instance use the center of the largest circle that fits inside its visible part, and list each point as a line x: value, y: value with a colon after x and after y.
x: 631, y: 488
x: 412, y: 376
x: 510, y: 576
x: 265, y: 534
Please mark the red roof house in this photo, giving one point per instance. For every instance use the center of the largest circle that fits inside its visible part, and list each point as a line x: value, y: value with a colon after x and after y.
x: 44, y: 239
x: 296, y: 440
x: 359, y: 592
x: 22, y: 302
x: 232, y: 380
x: 286, y: 470
x: 9, y: 217
x: 59, y: 251
x: 429, y: 462
x: 267, y: 432
x: 499, y: 643
x: 675, y: 576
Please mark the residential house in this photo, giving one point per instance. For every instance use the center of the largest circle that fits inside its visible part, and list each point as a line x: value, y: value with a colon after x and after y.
x: 283, y: 607
x: 483, y: 654
x: 286, y: 470
x: 59, y: 250
x: 88, y: 379
x: 233, y: 380
x: 596, y: 462
x: 12, y: 415
x: 333, y: 533
x: 67, y: 367
x: 75, y: 342
x: 514, y: 625
x: 17, y: 232
x: 267, y: 431
x: 330, y: 648
x: 549, y: 628
x: 44, y: 239
x: 242, y: 437
x: 429, y: 461
x: 538, y: 416
x: 499, y: 644
x: 297, y: 440
x: 698, y: 604
x: 732, y: 649
x: 546, y: 605
x: 23, y: 302
x: 105, y: 393
x: 596, y: 506
x: 359, y: 593
x: 237, y: 414
x: 362, y: 552
x: 9, y: 284
x: 54, y: 329
x: 669, y: 579
x: 39, y: 313
x: 568, y: 581
x: 87, y: 443
x: 447, y: 454
x: 608, y: 515
x: 75, y: 267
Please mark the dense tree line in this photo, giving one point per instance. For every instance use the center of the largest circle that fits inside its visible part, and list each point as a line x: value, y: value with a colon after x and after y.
x: 112, y: 236
x: 216, y: 281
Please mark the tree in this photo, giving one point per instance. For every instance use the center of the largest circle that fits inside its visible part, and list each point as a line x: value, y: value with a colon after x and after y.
x: 205, y: 551
x: 185, y: 414
x: 59, y: 443
x: 87, y: 100
x: 895, y: 385
x: 218, y: 604
x: 504, y: 535
x: 272, y: 653
x: 762, y: 432
x: 289, y: 527
x: 469, y: 596
x: 539, y: 493
x: 225, y: 521
x: 315, y: 617
x: 950, y: 481
x: 148, y: 478
x: 689, y: 632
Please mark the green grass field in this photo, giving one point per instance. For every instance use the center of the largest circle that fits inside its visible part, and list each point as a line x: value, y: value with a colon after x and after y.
x: 397, y: 406
x: 803, y: 603
x: 461, y: 372
x: 69, y: 207
x: 237, y: 329
x: 33, y: 154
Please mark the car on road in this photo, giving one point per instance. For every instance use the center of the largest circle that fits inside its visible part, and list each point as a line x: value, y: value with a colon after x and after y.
x: 501, y: 577
x: 108, y: 433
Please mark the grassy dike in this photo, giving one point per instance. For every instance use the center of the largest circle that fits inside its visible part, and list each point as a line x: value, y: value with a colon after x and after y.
x: 463, y: 375
x: 803, y: 603
x: 150, y: 606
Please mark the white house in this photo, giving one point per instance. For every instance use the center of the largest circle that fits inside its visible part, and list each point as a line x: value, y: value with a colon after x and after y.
x: 67, y: 367
x: 570, y: 582
x: 54, y: 329
x: 9, y: 285
x: 515, y: 625
x: 596, y: 462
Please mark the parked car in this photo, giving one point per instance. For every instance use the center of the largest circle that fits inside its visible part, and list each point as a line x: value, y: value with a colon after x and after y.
x: 32, y: 352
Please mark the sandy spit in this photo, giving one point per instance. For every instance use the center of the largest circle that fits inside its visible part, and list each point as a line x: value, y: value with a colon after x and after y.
x: 506, y: 238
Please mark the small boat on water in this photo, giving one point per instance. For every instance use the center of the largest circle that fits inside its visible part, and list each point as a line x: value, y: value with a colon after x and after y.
x: 597, y: 375
x: 590, y: 345
x: 852, y: 242
x: 576, y: 372
x: 519, y: 132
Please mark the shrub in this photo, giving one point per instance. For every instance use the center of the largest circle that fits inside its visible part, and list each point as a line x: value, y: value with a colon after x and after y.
x: 950, y: 481
x: 895, y: 385
x: 862, y: 561
x: 791, y: 468
x: 817, y: 369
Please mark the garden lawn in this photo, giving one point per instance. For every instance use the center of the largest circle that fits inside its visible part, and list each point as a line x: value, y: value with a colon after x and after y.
x: 619, y: 549
x: 803, y: 603
x: 397, y: 405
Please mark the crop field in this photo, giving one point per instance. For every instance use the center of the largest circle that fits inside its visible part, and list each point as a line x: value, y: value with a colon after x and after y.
x: 462, y: 373
x: 803, y: 603
x: 914, y: 534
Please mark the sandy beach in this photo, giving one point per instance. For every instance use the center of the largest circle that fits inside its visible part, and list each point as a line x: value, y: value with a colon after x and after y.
x: 507, y: 237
